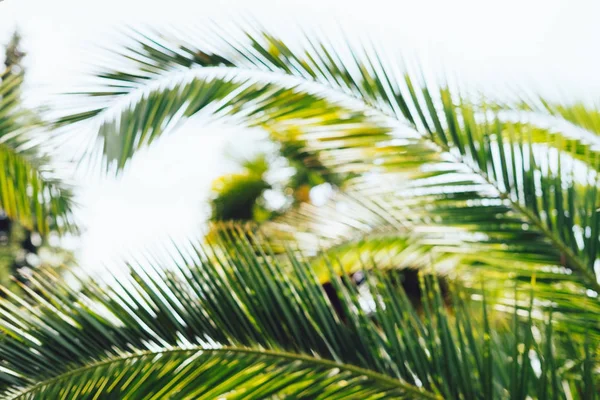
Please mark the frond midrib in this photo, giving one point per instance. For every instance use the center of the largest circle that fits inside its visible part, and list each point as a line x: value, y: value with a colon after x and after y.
x: 376, y: 376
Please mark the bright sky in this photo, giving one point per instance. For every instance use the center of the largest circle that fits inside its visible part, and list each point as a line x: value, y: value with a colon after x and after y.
x: 551, y: 44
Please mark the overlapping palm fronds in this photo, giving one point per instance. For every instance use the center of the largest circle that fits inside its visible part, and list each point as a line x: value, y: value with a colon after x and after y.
x: 471, y: 183
x: 30, y: 191
x: 436, y: 177
x: 227, y: 323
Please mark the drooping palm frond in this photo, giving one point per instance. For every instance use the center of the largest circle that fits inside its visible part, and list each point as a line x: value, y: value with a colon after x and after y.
x: 204, y: 372
x: 227, y: 322
x: 124, y: 125
x: 30, y: 191
x: 364, y: 75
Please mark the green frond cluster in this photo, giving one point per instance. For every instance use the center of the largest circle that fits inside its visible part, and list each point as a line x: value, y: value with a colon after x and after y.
x: 228, y: 322
x: 498, y: 198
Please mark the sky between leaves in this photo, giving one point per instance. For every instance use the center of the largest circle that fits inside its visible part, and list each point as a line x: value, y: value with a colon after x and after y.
x: 545, y: 44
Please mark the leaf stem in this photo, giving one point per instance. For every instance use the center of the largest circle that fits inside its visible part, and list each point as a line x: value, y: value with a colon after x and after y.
x: 376, y: 376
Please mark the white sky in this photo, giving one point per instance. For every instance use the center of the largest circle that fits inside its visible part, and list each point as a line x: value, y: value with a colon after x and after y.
x: 550, y: 44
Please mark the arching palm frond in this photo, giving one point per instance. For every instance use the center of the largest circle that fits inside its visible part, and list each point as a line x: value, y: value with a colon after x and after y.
x: 471, y: 182
x: 30, y: 192
x: 227, y: 322
x: 204, y: 372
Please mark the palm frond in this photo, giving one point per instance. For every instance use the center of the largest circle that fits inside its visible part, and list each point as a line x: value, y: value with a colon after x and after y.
x: 382, y: 230
x: 263, y: 328
x: 144, y: 115
x: 199, y: 372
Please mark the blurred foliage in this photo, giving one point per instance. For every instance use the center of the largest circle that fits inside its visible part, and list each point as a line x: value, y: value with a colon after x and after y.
x: 14, y: 54
x: 441, y: 181
x: 237, y: 196
x: 240, y: 196
x: 22, y: 249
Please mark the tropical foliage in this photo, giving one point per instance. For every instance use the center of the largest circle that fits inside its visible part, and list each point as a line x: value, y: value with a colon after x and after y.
x: 34, y: 202
x: 496, y: 196
x: 237, y: 197
x: 226, y: 323
x: 284, y: 170
x: 31, y: 191
x: 269, y: 184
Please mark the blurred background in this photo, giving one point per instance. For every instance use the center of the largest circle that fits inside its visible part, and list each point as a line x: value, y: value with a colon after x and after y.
x: 165, y: 191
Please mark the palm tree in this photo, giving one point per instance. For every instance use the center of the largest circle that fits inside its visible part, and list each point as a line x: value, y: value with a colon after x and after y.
x: 498, y: 195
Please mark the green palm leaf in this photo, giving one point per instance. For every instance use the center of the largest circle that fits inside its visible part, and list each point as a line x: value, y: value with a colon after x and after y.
x: 260, y: 328
x: 205, y: 373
